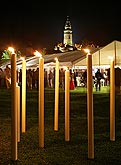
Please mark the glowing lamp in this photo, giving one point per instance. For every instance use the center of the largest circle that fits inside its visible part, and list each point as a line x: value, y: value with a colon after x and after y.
x: 38, y: 54
x: 11, y: 49
x: 87, y: 51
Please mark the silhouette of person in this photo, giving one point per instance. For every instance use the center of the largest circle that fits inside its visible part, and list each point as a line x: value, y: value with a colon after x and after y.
x: 98, y: 77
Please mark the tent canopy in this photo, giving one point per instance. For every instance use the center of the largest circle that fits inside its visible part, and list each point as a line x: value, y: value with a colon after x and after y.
x: 101, y: 56
x: 65, y: 59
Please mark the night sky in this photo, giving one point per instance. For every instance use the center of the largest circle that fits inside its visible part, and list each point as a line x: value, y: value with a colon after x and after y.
x: 41, y: 23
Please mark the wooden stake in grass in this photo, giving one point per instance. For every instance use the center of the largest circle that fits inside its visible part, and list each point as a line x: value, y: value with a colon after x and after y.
x: 90, y: 107
x: 112, y: 101
x: 18, y: 110
x: 41, y: 99
x: 23, y: 96
x: 56, y: 95
x: 67, y: 105
x: 14, y: 145
x: 41, y: 102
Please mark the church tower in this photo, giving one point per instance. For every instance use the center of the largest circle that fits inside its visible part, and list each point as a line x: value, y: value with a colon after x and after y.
x: 68, y: 33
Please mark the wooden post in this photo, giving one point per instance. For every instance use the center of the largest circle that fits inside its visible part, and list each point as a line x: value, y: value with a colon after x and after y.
x: 90, y: 108
x: 56, y: 95
x: 14, y: 109
x: 112, y: 101
x: 41, y: 102
x: 23, y: 96
x: 18, y: 110
x: 67, y: 105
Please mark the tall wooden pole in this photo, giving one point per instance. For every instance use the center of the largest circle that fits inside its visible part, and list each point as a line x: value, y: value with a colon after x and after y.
x: 23, y: 96
x: 18, y: 110
x: 90, y: 108
x: 41, y: 102
x: 56, y: 95
x: 112, y: 101
x: 67, y: 105
x: 14, y: 135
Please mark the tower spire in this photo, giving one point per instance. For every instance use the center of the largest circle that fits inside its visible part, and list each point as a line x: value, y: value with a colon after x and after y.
x: 68, y: 33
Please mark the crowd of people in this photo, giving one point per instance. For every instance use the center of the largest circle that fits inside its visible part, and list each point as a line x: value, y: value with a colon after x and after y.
x: 77, y: 78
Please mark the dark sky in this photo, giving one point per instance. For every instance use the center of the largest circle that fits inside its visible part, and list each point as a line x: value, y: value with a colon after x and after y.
x: 41, y: 23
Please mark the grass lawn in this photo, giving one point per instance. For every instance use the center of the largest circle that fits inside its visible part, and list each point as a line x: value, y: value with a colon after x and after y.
x: 56, y: 150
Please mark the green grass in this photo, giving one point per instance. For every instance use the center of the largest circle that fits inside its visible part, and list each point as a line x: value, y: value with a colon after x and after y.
x: 56, y: 150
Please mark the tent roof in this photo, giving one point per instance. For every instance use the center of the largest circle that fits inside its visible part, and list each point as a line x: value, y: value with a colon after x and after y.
x: 78, y: 57
x: 66, y: 59
x: 101, y: 56
x: 70, y: 56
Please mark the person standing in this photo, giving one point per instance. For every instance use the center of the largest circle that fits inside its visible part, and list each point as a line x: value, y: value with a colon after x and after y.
x: 51, y: 76
x: 85, y: 78
x: 98, y: 77
x: 75, y: 78
x: 7, y: 76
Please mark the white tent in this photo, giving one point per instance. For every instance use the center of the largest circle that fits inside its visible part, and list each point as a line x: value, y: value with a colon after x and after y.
x: 65, y: 59
x: 77, y: 58
x: 101, y: 56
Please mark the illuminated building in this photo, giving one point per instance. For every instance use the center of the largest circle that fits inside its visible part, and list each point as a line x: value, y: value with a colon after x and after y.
x: 68, y: 33
x: 67, y: 44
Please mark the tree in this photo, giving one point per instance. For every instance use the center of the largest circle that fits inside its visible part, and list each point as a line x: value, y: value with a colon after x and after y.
x: 6, y: 54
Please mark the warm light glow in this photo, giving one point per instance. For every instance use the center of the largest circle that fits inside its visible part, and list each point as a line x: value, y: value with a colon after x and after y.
x: 36, y: 53
x: 11, y: 50
x: 87, y: 51
x: 56, y: 59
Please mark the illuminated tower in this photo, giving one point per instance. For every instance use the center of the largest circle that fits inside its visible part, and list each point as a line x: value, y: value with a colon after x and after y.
x: 68, y: 33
